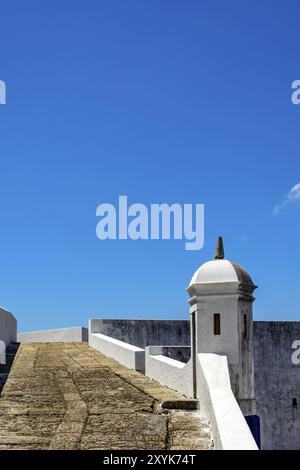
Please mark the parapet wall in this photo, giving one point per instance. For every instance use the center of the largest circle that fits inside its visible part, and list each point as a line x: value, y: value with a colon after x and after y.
x: 143, y: 333
x: 218, y: 404
x: 126, y: 340
x: 76, y: 333
x: 162, y: 364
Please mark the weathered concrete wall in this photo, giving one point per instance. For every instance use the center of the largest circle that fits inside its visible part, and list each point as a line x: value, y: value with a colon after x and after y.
x: 142, y: 333
x: 77, y: 333
x: 277, y: 383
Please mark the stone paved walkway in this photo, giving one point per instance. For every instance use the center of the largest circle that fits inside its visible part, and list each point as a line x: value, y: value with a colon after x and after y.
x: 69, y: 396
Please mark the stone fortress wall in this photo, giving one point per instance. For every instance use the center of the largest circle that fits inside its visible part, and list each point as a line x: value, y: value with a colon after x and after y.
x: 276, y: 364
x: 277, y: 383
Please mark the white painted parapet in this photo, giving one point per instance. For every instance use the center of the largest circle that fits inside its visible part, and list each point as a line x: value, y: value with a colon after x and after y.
x: 8, y: 331
x: 218, y: 404
x: 127, y: 354
x: 170, y: 372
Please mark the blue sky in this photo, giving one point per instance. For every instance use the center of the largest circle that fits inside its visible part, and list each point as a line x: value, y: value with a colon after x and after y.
x: 163, y: 101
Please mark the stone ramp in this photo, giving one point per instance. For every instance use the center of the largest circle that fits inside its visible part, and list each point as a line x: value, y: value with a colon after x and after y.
x: 69, y: 396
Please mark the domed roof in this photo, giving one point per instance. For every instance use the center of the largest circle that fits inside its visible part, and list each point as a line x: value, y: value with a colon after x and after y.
x: 221, y: 270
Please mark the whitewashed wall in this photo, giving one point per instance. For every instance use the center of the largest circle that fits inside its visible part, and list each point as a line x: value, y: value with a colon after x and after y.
x: 218, y: 404
x: 169, y: 372
x: 128, y: 355
x: 8, y: 331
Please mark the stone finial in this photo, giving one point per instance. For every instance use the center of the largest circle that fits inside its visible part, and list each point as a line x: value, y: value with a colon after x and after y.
x: 219, y: 253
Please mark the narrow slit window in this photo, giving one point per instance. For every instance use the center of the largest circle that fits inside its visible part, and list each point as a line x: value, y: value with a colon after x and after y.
x: 217, y: 324
x: 245, y: 326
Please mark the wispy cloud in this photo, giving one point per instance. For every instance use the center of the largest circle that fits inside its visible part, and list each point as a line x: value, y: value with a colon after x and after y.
x: 292, y: 196
x: 241, y: 238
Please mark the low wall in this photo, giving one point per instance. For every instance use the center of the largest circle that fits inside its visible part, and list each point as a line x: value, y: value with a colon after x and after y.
x: 277, y: 383
x: 142, y: 333
x: 61, y: 335
x: 8, y: 331
x: 218, y: 404
x: 167, y: 371
x: 127, y: 354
